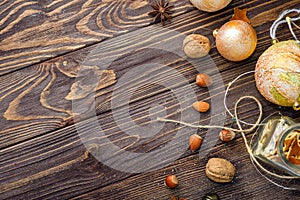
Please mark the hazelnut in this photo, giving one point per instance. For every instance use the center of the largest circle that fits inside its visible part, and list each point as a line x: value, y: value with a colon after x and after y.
x: 201, y: 106
x: 226, y: 135
x: 171, y: 181
x: 172, y: 197
x: 195, y: 142
x: 203, y: 80
x: 196, y: 46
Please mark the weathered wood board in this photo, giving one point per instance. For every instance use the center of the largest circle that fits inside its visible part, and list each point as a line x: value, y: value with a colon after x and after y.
x: 130, y: 71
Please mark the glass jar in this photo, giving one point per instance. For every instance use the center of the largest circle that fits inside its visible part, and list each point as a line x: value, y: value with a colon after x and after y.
x: 289, y: 149
x: 277, y: 139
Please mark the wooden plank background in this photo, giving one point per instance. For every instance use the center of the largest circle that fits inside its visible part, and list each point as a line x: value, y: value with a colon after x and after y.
x: 44, y: 44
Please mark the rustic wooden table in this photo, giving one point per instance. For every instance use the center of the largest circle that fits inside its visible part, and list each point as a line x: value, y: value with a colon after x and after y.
x: 61, y: 142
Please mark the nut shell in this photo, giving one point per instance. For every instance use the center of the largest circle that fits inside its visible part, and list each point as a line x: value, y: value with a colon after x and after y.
x: 203, y: 80
x: 171, y: 181
x: 219, y: 170
x: 196, y: 46
x: 195, y: 142
x: 226, y: 135
x: 201, y: 106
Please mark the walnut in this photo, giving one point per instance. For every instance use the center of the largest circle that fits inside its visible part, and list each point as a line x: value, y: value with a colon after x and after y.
x: 220, y: 170
x: 196, y: 46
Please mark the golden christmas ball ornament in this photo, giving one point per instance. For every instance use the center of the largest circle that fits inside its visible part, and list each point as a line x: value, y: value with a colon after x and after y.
x: 210, y: 5
x: 236, y: 40
x: 277, y: 72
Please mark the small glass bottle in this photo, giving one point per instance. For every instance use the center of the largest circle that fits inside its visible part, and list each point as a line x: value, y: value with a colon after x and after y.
x: 277, y: 140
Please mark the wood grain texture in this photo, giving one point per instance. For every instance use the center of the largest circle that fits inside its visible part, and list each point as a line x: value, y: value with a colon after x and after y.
x: 193, y: 183
x: 43, y: 159
x: 39, y: 99
x: 34, y: 31
x: 26, y: 115
x: 57, y: 165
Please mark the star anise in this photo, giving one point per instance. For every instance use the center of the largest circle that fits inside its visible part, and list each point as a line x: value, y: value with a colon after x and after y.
x: 162, y: 10
x: 240, y: 15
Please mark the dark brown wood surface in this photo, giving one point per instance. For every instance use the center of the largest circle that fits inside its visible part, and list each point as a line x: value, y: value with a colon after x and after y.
x: 50, y: 48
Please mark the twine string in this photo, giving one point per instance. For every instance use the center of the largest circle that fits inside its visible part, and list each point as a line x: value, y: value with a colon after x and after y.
x: 226, y: 94
x: 283, y: 18
x: 256, y: 164
x: 235, y: 118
